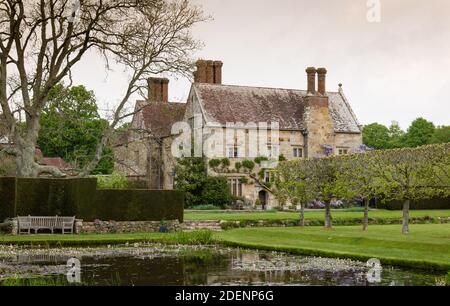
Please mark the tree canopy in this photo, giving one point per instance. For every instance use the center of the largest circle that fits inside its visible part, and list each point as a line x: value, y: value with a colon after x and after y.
x: 421, y: 132
x: 71, y: 128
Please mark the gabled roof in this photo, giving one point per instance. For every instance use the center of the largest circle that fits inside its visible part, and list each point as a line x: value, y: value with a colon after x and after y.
x: 229, y: 103
x: 159, y: 117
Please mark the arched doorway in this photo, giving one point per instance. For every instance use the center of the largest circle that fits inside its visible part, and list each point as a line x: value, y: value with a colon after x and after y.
x: 262, y: 195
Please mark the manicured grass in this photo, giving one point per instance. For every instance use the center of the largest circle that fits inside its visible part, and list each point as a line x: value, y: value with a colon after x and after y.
x: 309, y: 215
x: 427, y: 246
x: 196, y: 237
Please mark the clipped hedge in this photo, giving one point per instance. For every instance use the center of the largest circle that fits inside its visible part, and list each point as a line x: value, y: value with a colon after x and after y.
x: 438, y: 203
x: 138, y: 205
x: 80, y: 198
x: 7, y: 197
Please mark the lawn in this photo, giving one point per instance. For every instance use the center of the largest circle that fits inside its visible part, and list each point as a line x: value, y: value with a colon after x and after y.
x: 309, y: 215
x: 427, y: 246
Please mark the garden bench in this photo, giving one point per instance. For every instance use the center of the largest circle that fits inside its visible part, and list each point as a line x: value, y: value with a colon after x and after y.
x: 65, y: 224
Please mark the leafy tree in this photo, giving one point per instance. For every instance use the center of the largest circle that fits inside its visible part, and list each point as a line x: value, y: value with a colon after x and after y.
x: 41, y: 42
x: 115, y: 181
x: 376, y: 136
x: 294, y: 186
x: 216, y: 192
x: 192, y: 178
x: 396, y: 136
x: 71, y: 127
x: 412, y: 174
x: 441, y: 134
x: 419, y: 133
x: 358, y: 170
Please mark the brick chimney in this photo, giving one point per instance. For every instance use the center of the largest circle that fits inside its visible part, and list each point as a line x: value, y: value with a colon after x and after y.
x: 158, y: 90
x: 322, y: 73
x: 208, y: 72
x: 311, y: 73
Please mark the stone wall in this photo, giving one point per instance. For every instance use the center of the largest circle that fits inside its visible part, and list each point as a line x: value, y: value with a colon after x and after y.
x: 110, y: 227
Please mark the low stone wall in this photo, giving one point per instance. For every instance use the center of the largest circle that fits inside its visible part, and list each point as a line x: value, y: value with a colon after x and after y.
x: 110, y: 227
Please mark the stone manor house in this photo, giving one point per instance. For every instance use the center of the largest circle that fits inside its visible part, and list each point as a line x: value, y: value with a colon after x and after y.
x: 312, y: 123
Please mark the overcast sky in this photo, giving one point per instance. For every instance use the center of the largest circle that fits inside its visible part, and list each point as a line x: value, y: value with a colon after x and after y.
x: 397, y: 69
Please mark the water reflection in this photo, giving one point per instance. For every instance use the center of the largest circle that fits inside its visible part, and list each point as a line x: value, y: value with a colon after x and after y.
x: 208, y: 266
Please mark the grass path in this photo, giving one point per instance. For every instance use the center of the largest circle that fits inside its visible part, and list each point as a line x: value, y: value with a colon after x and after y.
x: 309, y: 215
x: 427, y: 246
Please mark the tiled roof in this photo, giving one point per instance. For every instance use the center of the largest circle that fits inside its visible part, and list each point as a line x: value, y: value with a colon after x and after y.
x: 159, y: 117
x: 227, y: 103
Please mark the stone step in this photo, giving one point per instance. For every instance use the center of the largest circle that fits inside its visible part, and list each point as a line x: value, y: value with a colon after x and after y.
x: 191, y: 225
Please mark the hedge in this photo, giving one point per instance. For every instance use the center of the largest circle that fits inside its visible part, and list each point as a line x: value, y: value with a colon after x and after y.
x: 7, y: 197
x: 136, y: 205
x: 438, y: 203
x: 80, y: 198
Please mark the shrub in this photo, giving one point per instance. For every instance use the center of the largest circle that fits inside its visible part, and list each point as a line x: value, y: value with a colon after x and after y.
x: 216, y: 192
x: 238, y: 166
x: 214, y: 163
x: 206, y: 207
x: 115, y: 181
x: 248, y: 164
x: 258, y: 160
x: 202, y: 237
x: 282, y: 158
x: 243, y: 180
x: 225, y: 162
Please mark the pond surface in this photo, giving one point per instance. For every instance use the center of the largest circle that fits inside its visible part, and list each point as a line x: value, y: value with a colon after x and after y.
x: 165, y: 265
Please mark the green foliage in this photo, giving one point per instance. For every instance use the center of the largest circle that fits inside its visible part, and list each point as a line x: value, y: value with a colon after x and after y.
x: 420, y: 133
x: 216, y: 192
x: 79, y: 197
x: 190, y: 178
x: 71, y: 128
x: 225, y: 162
x: 400, y: 174
x: 200, y: 189
x: 206, y: 207
x: 441, y: 134
x: 7, y: 165
x: 238, y: 166
x: 135, y: 205
x: 248, y: 164
x: 397, y: 136
x: 243, y: 180
x: 117, y: 180
x: 376, y: 136
x: 282, y: 158
x: 260, y: 159
x: 214, y: 163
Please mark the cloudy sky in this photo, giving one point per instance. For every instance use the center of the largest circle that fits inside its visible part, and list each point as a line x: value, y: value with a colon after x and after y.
x: 396, y: 69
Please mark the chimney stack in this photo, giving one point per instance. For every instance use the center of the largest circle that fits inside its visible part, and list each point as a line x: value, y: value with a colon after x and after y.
x: 311, y: 73
x: 158, y: 90
x: 322, y: 73
x: 209, y: 72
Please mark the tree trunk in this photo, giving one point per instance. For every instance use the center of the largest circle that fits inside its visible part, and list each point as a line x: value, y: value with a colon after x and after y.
x: 328, y: 215
x: 366, y: 215
x: 25, y: 160
x: 302, y: 215
x: 405, y: 228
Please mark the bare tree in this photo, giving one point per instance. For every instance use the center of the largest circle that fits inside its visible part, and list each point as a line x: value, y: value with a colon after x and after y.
x: 41, y: 41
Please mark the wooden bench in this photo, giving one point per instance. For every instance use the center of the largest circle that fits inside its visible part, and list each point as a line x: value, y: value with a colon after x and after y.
x: 26, y: 224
